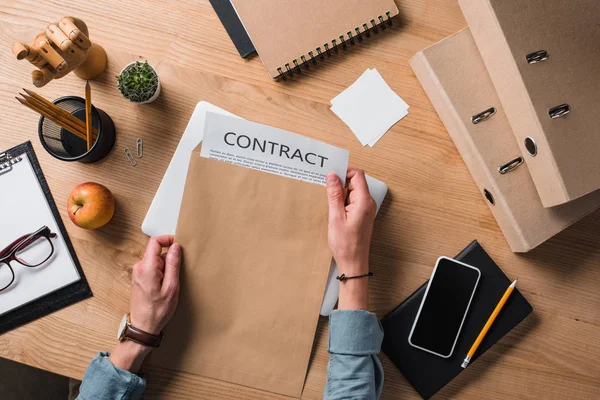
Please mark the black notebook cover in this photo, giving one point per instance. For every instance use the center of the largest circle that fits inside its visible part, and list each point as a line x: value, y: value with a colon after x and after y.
x: 234, y: 27
x: 429, y: 373
x: 61, y: 298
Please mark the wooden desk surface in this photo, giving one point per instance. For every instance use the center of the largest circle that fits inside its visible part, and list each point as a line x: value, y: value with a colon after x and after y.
x: 433, y: 207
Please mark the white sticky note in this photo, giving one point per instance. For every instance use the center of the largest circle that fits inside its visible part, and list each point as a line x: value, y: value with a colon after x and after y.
x: 369, y: 107
x: 372, y: 142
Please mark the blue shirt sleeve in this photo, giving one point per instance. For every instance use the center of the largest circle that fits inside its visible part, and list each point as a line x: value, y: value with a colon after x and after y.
x: 104, y: 381
x: 354, y: 371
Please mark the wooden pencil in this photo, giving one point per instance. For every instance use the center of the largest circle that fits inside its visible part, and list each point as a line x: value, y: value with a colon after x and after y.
x: 489, y: 323
x: 57, y: 119
x: 88, y: 114
x: 62, y: 111
x: 55, y: 112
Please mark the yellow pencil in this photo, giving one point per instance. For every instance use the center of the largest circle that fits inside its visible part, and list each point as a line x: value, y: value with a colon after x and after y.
x: 489, y: 323
x: 88, y: 115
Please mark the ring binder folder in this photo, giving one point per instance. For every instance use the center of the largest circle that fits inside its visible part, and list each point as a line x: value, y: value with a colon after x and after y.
x: 537, y: 57
x: 287, y: 71
x: 512, y: 34
x: 482, y: 116
x: 456, y: 88
x: 559, y: 111
x: 510, y: 166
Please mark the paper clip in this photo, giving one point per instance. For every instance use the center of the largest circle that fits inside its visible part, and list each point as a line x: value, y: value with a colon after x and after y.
x: 130, y: 157
x: 140, y: 147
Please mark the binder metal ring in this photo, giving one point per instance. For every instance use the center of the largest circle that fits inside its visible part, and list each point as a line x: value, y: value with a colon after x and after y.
x: 510, y: 166
x: 482, y: 116
x: 559, y: 111
x: 537, y: 57
x: 531, y: 146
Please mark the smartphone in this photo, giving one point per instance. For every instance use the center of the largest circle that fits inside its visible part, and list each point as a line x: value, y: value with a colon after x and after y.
x: 444, y: 307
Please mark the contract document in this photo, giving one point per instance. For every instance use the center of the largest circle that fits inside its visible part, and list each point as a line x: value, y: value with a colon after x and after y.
x: 265, y: 148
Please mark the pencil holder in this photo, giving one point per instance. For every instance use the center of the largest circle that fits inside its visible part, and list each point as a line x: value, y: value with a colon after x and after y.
x: 68, y: 146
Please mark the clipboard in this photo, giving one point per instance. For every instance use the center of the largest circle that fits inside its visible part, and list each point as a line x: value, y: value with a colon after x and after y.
x: 14, y: 161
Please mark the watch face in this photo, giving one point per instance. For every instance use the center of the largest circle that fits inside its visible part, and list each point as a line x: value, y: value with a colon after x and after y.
x: 122, y: 327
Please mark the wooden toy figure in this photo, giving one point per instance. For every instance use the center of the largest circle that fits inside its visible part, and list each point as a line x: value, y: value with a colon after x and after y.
x: 61, y: 48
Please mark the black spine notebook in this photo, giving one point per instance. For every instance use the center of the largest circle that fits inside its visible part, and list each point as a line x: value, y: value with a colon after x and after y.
x: 429, y: 373
x: 60, y: 298
x: 234, y: 27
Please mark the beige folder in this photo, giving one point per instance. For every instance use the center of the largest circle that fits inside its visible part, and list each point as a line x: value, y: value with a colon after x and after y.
x: 457, y: 83
x: 289, y: 34
x: 543, y: 54
x: 255, y: 264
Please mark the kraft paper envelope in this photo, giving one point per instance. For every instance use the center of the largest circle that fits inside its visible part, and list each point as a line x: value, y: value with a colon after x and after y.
x: 242, y: 317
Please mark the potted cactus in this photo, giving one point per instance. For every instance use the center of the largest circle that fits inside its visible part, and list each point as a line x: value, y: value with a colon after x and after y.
x: 139, y: 83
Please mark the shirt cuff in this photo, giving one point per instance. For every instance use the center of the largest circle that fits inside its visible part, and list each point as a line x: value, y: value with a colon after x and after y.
x: 103, y: 380
x: 354, y: 332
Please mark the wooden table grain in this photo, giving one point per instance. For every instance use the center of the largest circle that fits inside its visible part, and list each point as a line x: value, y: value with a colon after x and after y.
x: 433, y: 207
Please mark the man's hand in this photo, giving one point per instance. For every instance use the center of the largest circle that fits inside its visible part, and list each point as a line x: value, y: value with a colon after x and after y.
x: 154, y: 296
x: 350, y: 231
x: 155, y: 285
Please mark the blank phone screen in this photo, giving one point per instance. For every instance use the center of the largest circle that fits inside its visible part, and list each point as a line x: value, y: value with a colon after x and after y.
x: 445, y: 306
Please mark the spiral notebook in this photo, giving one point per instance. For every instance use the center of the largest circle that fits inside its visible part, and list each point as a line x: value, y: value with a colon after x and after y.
x: 58, y: 282
x: 289, y: 35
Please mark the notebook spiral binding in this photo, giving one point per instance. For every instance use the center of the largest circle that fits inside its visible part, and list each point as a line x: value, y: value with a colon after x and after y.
x: 6, y: 162
x: 287, y: 71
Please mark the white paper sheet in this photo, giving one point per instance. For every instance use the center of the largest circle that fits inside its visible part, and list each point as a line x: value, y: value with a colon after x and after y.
x: 272, y: 150
x: 369, y: 107
x: 24, y: 210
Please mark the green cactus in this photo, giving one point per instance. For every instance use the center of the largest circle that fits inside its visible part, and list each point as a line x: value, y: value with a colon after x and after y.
x: 138, y: 82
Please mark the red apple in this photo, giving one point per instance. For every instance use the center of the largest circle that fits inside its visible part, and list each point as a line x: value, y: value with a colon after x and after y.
x: 90, y: 205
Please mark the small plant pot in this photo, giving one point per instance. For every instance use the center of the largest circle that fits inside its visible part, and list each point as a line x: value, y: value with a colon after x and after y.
x: 156, y: 93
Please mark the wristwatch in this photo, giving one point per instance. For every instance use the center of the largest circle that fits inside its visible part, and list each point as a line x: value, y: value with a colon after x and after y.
x: 129, y: 332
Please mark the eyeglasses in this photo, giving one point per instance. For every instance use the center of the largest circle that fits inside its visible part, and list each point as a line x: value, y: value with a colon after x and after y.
x: 30, y: 250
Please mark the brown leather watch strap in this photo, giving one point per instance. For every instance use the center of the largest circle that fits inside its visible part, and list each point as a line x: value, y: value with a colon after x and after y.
x: 141, y: 337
